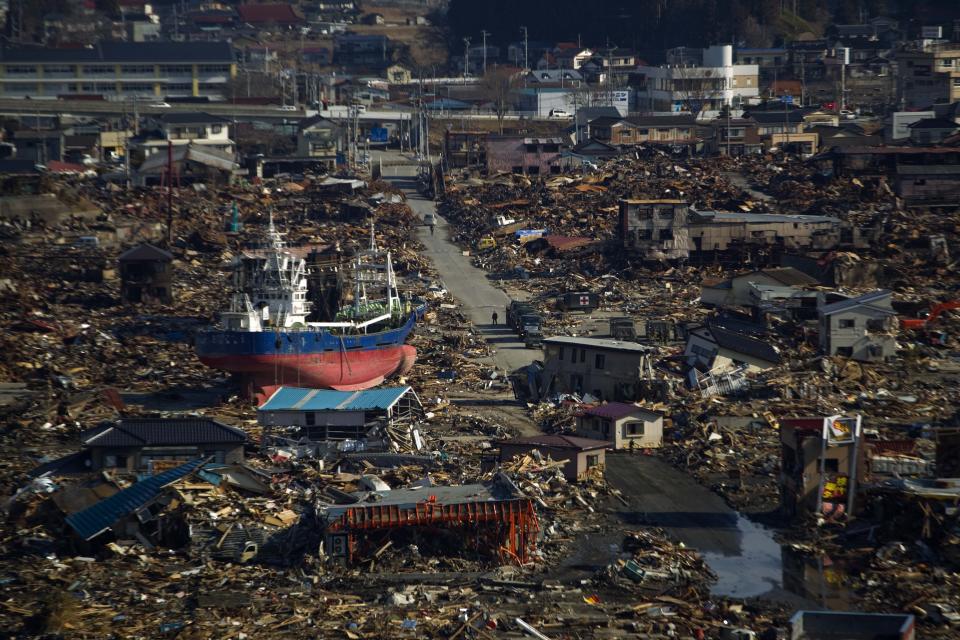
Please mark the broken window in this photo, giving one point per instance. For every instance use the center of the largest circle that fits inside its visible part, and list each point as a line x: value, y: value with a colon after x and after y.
x: 593, y: 461
x: 634, y: 429
x: 560, y: 354
x: 831, y: 465
x: 847, y: 323
x: 310, y: 418
x: 846, y: 352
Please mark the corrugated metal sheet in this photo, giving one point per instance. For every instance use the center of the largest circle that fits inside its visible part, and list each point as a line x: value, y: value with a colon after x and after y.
x: 296, y: 399
x: 94, y: 520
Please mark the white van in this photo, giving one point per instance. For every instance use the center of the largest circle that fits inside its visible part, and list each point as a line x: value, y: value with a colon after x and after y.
x: 559, y: 113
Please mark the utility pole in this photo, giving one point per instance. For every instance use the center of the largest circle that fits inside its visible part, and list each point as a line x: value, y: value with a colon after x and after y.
x: 484, y: 33
x: 526, y: 61
x: 466, y: 59
x: 729, y: 109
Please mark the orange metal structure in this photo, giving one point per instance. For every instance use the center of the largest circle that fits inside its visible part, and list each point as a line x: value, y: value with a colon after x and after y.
x: 935, y: 311
x: 511, y: 522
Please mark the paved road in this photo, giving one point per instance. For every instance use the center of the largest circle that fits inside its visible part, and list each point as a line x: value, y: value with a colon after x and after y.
x: 747, y: 560
x: 468, y: 284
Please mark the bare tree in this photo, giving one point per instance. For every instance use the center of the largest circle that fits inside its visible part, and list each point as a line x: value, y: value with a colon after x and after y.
x: 695, y: 87
x: 498, y: 87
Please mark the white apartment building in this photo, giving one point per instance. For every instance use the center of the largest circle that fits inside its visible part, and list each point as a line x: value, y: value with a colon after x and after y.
x: 699, y: 89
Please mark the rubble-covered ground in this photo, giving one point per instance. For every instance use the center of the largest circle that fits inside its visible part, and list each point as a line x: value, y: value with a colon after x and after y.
x: 250, y: 564
x: 731, y: 444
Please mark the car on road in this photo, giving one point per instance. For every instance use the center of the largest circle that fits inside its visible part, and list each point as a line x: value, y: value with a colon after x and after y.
x: 160, y: 105
x: 559, y: 113
x: 361, y: 108
x: 846, y: 114
x: 533, y: 339
x: 288, y: 107
x: 429, y: 219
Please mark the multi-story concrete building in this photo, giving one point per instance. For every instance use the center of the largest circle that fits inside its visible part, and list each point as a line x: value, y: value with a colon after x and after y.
x: 696, y: 89
x: 119, y: 70
x: 606, y: 369
x: 928, y: 75
x: 658, y: 230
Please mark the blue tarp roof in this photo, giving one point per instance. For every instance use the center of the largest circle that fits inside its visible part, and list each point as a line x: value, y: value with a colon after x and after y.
x: 94, y: 520
x: 297, y: 399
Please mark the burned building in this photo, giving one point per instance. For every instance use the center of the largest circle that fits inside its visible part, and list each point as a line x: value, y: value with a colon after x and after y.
x: 146, y: 275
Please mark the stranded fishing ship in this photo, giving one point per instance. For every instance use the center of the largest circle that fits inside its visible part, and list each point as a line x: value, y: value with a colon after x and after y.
x: 265, y: 338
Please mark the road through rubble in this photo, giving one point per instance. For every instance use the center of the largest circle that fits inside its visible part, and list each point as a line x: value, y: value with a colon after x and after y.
x: 469, y: 286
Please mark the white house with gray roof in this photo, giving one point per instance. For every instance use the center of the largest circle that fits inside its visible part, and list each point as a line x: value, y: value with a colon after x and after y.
x: 862, y: 328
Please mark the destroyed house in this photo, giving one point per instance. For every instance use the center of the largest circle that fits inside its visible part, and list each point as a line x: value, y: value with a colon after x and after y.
x: 527, y: 156
x: 919, y: 175
x: 138, y: 445
x: 495, y: 518
x: 659, y: 230
x: 465, y: 149
x: 715, y: 349
x: 606, y: 369
x: 319, y: 415
x: 146, y: 275
x: 134, y: 511
x: 736, y: 290
x: 622, y: 425
x: 862, y: 328
x: 712, y: 231
x: 579, y: 454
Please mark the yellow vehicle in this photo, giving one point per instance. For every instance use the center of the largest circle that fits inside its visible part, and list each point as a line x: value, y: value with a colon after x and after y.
x: 486, y: 243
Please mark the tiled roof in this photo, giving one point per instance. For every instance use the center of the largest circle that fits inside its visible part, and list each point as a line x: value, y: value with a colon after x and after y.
x: 262, y: 13
x: 94, y: 520
x: 617, y: 410
x: 789, y: 276
x: 145, y: 252
x: 867, y: 299
x: 557, y: 442
x: 140, y: 432
x: 741, y: 343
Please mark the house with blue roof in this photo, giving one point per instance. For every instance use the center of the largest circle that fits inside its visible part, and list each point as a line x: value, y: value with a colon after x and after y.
x: 375, y: 416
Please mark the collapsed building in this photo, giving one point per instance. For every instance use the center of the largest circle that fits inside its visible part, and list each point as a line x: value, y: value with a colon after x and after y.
x: 669, y: 230
x: 496, y: 514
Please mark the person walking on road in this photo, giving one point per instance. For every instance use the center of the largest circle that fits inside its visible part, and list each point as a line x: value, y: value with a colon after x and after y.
x: 431, y: 228
x: 494, y: 318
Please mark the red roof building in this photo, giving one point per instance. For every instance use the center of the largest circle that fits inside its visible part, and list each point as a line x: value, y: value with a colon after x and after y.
x: 276, y: 13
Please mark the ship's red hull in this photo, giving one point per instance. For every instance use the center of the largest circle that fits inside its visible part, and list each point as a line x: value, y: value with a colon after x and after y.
x: 344, y: 371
